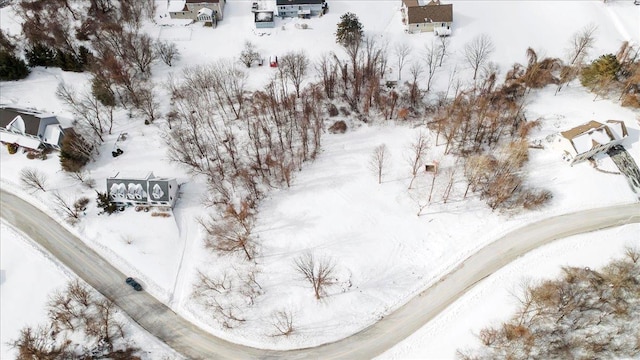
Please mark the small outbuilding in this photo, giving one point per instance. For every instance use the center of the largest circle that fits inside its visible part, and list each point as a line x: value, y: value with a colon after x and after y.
x: 264, y: 19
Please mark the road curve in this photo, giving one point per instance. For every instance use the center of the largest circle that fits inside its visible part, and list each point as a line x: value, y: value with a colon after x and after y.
x: 194, y: 343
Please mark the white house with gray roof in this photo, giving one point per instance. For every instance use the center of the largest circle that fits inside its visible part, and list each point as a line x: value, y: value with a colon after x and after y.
x: 29, y: 129
x: 142, y: 189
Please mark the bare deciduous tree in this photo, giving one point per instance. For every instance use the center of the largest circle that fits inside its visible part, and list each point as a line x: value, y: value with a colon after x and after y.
x: 295, y: 65
x: 33, y: 179
x: 443, y: 49
x: 401, y: 51
x: 90, y: 114
x: 379, y: 161
x: 318, y: 272
x: 140, y: 51
x: 416, y: 70
x: 581, y: 42
x: 227, y: 293
x: 451, y: 173
x: 327, y: 70
x: 167, y: 51
x: 230, y: 234
x: 84, y: 177
x: 71, y: 210
x: 147, y: 104
x: 477, y: 52
x: 633, y: 253
x: 282, y: 321
x: 38, y: 344
x: 431, y: 62
x: 249, y: 54
x: 417, y: 151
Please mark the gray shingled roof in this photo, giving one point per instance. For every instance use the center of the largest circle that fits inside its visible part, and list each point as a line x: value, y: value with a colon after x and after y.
x: 31, y: 122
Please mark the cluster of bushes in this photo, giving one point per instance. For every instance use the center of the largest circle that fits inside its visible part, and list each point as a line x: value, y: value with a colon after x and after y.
x: 81, y: 324
x: 585, y: 314
x: 619, y: 73
x: 12, y: 148
x: 75, y: 152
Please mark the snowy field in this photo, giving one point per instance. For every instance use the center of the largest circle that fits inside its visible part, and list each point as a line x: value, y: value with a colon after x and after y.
x: 28, y: 277
x: 492, y: 301
x: 384, y: 252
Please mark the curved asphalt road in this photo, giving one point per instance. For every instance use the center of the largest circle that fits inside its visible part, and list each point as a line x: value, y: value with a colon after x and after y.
x: 194, y: 343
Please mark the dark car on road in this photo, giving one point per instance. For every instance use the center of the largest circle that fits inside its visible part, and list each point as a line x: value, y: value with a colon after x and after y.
x: 134, y: 284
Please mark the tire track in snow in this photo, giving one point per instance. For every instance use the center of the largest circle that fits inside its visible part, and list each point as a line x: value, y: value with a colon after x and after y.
x: 618, y: 24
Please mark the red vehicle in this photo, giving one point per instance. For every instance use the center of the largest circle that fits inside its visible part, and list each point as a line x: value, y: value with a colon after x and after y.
x: 273, y: 61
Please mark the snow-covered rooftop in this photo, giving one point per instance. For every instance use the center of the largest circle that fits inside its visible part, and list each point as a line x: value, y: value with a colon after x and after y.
x: 176, y: 5
x: 52, y: 134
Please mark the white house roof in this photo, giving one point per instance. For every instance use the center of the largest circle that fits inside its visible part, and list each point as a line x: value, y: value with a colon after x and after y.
x: 264, y: 16
x: 205, y: 11
x: 52, y: 134
x: 24, y: 141
x: 618, y: 129
x: 587, y: 141
x: 176, y: 5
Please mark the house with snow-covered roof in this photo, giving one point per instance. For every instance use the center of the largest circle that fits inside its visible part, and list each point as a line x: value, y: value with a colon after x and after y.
x: 585, y: 141
x: 301, y: 8
x: 207, y: 11
x: 142, y: 189
x: 29, y: 128
x: 432, y: 17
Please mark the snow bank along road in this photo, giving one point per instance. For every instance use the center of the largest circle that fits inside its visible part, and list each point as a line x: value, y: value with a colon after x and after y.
x: 195, y: 343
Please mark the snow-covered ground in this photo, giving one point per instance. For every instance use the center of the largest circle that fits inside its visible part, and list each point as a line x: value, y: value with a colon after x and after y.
x: 28, y: 277
x: 384, y: 252
x: 493, y: 300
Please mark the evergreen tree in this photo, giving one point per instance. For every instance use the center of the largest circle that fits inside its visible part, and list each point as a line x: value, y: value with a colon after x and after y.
x: 11, y: 67
x: 600, y: 72
x: 101, y: 90
x: 40, y: 55
x: 349, y: 30
x: 103, y: 203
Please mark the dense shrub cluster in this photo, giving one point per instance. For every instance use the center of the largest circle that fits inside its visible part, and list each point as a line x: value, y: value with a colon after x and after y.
x: 81, y: 325
x: 586, y: 314
x: 75, y: 152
